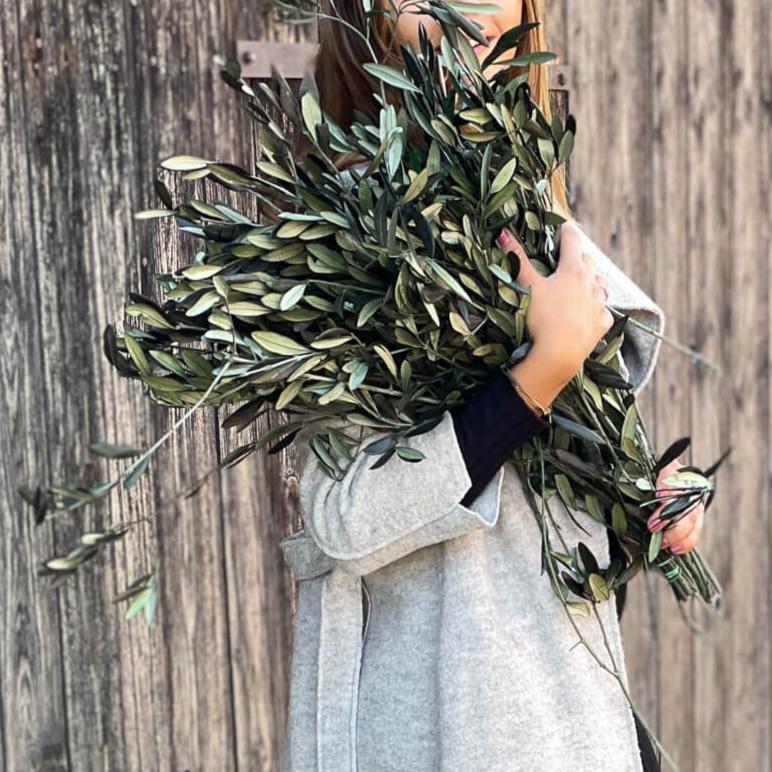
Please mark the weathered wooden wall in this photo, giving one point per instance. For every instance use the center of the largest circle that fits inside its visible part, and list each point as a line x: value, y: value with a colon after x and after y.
x: 671, y: 175
x: 94, y: 96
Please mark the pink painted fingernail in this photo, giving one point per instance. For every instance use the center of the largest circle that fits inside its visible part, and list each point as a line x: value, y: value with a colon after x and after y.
x: 678, y: 549
x: 503, y: 238
x: 658, y: 525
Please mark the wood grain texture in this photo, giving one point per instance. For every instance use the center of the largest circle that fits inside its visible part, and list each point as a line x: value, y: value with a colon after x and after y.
x: 669, y: 244
x: 709, y: 259
x: 747, y: 191
x: 673, y: 104
x: 94, y: 97
x: 670, y: 175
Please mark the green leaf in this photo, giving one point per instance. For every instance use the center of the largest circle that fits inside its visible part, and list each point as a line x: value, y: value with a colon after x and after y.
x: 195, y: 362
x: 598, y: 587
x: 168, y: 361
x: 101, y: 489
x: 500, y: 273
x: 629, y: 424
x: 504, y: 176
x: 137, y: 355
x: 274, y: 170
x: 368, y: 310
x: 416, y: 186
x: 547, y: 152
x: 409, y: 454
x: 151, y: 604
x: 150, y: 214
x: 358, y: 376
x: 136, y: 473
x: 566, y: 147
x: 331, y: 341
x: 387, y: 358
x: 654, y: 545
x: 577, y: 429
x: 312, y: 113
x: 618, y: 519
x: 578, y: 608
x: 507, y: 41
x: 391, y: 76
x: 532, y: 58
x: 291, y: 230
x: 336, y: 219
x: 594, y: 508
x: 334, y: 393
x: 276, y: 343
x: 288, y: 393
x: 565, y: 490
x: 532, y: 221
x: 139, y: 602
x: 204, y: 303
x: 292, y: 296
x: 184, y: 163
x: 447, y: 278
x: 198, y: 272
x: 244, y: 308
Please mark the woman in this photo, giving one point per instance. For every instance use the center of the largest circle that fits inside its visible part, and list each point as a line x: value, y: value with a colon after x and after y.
x: 426, y: 637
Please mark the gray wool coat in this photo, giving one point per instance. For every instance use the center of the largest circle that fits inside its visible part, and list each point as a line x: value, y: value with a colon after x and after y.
x: 425, y: 637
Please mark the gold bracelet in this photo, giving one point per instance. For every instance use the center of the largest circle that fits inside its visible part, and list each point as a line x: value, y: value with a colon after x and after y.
x: 535, y: 406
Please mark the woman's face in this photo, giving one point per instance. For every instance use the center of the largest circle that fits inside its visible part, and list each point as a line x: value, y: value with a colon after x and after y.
x: 493, y: 27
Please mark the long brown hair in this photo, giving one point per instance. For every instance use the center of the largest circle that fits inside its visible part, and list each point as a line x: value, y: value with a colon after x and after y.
x: 344, y: 86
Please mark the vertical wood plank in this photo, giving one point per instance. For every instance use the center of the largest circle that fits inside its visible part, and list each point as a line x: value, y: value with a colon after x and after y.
x: 556, y: 30
x: 611, y: 193
x: 709, y: 254
x: 765, y: 215
x: 747, y: 191
x: 260, y: 506
x: 669, y: 245
x: 101, y: 94
x: 32, y: 704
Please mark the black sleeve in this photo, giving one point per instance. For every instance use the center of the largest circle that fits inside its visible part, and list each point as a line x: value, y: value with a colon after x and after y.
x: 490, y: 423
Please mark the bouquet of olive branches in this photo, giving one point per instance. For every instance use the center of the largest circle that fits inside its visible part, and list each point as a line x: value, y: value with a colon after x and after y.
x: 378, y: 297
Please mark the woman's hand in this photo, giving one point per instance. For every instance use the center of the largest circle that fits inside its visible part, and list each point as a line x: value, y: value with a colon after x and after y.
x: 566, y: 316
x: 683, y: 535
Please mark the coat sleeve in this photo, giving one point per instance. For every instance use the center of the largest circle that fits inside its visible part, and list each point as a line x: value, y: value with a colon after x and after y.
x: 372, y: 517
x: 640, y: 348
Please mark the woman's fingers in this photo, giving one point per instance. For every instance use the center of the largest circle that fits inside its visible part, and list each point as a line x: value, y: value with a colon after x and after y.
x: 571, y: 256
x: 601, y: 291
x: 682, y: 536
x: 677, y: 532
x: 689, y: 542
x: 589, y: 267
x: 654, y: 522
x: 507, y: 242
